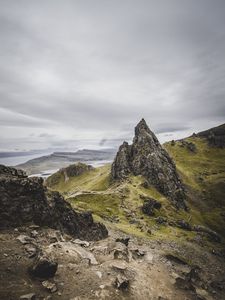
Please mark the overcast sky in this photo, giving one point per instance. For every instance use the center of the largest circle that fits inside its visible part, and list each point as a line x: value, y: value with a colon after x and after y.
x: 90, y: 69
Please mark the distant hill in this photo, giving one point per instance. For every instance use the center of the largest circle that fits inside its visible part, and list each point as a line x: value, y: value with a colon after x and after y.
x: 45, y: 165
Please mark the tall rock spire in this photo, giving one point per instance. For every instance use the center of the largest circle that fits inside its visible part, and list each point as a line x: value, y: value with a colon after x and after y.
x: 147, y: 157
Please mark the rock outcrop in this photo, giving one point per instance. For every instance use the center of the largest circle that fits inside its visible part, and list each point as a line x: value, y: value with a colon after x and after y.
x: 25, y: 200
x: 215, y: 136
x: 68, y: 172
x: 147, y: 157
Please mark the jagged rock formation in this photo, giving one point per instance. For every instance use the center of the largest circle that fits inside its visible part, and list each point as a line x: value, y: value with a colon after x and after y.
x: 215, y: 136
x: 25, y: 200
x: 147, y: 157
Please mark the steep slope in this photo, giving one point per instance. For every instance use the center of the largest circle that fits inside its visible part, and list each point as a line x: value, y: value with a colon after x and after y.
x: 146, y: 157
x: 203, y: 172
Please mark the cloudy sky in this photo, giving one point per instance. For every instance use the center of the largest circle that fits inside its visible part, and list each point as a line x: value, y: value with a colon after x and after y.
x: 77, y: 71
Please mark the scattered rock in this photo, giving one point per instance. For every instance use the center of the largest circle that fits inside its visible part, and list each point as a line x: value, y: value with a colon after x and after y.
x: 188, y: 145
x: 137, y: 253
x: 202, y: 294
x: 190, y: 280
x: 124, y: 241
x: 85, y: 254
x: 184, y: 284
x: 24, y: 239
x: 184, y: 225
x: 218, y: 285
x: 34, y: 226
x: 30, y: 296
x: 43, y: 267
x: 176, y: 259
x: 119, y: 266
x: 102, y: 286
x: 214, y: 236
x: 71, y: 266
x: 99, y: 274
x: 121, y: 282
x: 148, y: 257
x: 81, y: 243
x: 50, y: 286
x: 161, y: 220
x: 34, y: 233
x: 145, y: 184
x: 122, y: 252
x: 149, y: 206
x: 31, y: 250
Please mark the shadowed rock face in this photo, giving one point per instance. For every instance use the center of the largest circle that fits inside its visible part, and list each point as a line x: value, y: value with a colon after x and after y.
x: 25, y: 200
x: 147, y: 157
x: 215, y: 136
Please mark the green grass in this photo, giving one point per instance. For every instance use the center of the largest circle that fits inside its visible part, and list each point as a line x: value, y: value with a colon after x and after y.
x: 202, y: 172
x: 93, y: 180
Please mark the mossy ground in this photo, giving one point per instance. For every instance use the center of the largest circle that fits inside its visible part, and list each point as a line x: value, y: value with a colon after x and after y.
x: 202, y: 172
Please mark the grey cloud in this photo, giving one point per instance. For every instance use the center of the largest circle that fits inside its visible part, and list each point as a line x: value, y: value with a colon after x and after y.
x: 91, y: 69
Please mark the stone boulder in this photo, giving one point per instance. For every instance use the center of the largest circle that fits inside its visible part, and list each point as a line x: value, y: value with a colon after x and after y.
x: 43, y: 267
x: 149, y: 206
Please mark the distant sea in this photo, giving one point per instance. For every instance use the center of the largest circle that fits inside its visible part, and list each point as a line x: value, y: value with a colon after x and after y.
x: 16, y: 160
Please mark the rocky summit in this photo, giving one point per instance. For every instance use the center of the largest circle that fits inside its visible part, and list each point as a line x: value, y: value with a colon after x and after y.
x: 25, y: 201
x: 146, y: 157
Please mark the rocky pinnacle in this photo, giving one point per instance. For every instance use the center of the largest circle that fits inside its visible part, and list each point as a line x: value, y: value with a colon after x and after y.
x: 146, y: 157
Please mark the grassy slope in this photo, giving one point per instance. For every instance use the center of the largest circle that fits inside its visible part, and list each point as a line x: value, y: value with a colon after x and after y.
x: 203, y: 173
x: 96, y: 179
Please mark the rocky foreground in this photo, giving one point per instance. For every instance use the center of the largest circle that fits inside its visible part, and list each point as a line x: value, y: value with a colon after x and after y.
x: 50, y: 251
x: 41, y: 263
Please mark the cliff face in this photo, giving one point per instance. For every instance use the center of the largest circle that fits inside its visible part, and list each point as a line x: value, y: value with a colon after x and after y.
x: 215, y: 136
x: 25, y: 200
x: 147, y: 157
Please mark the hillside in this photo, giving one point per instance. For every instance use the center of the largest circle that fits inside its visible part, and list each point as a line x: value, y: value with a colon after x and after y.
x: 125, y: 199
x: 157, y: 230
x: 202, y: 171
